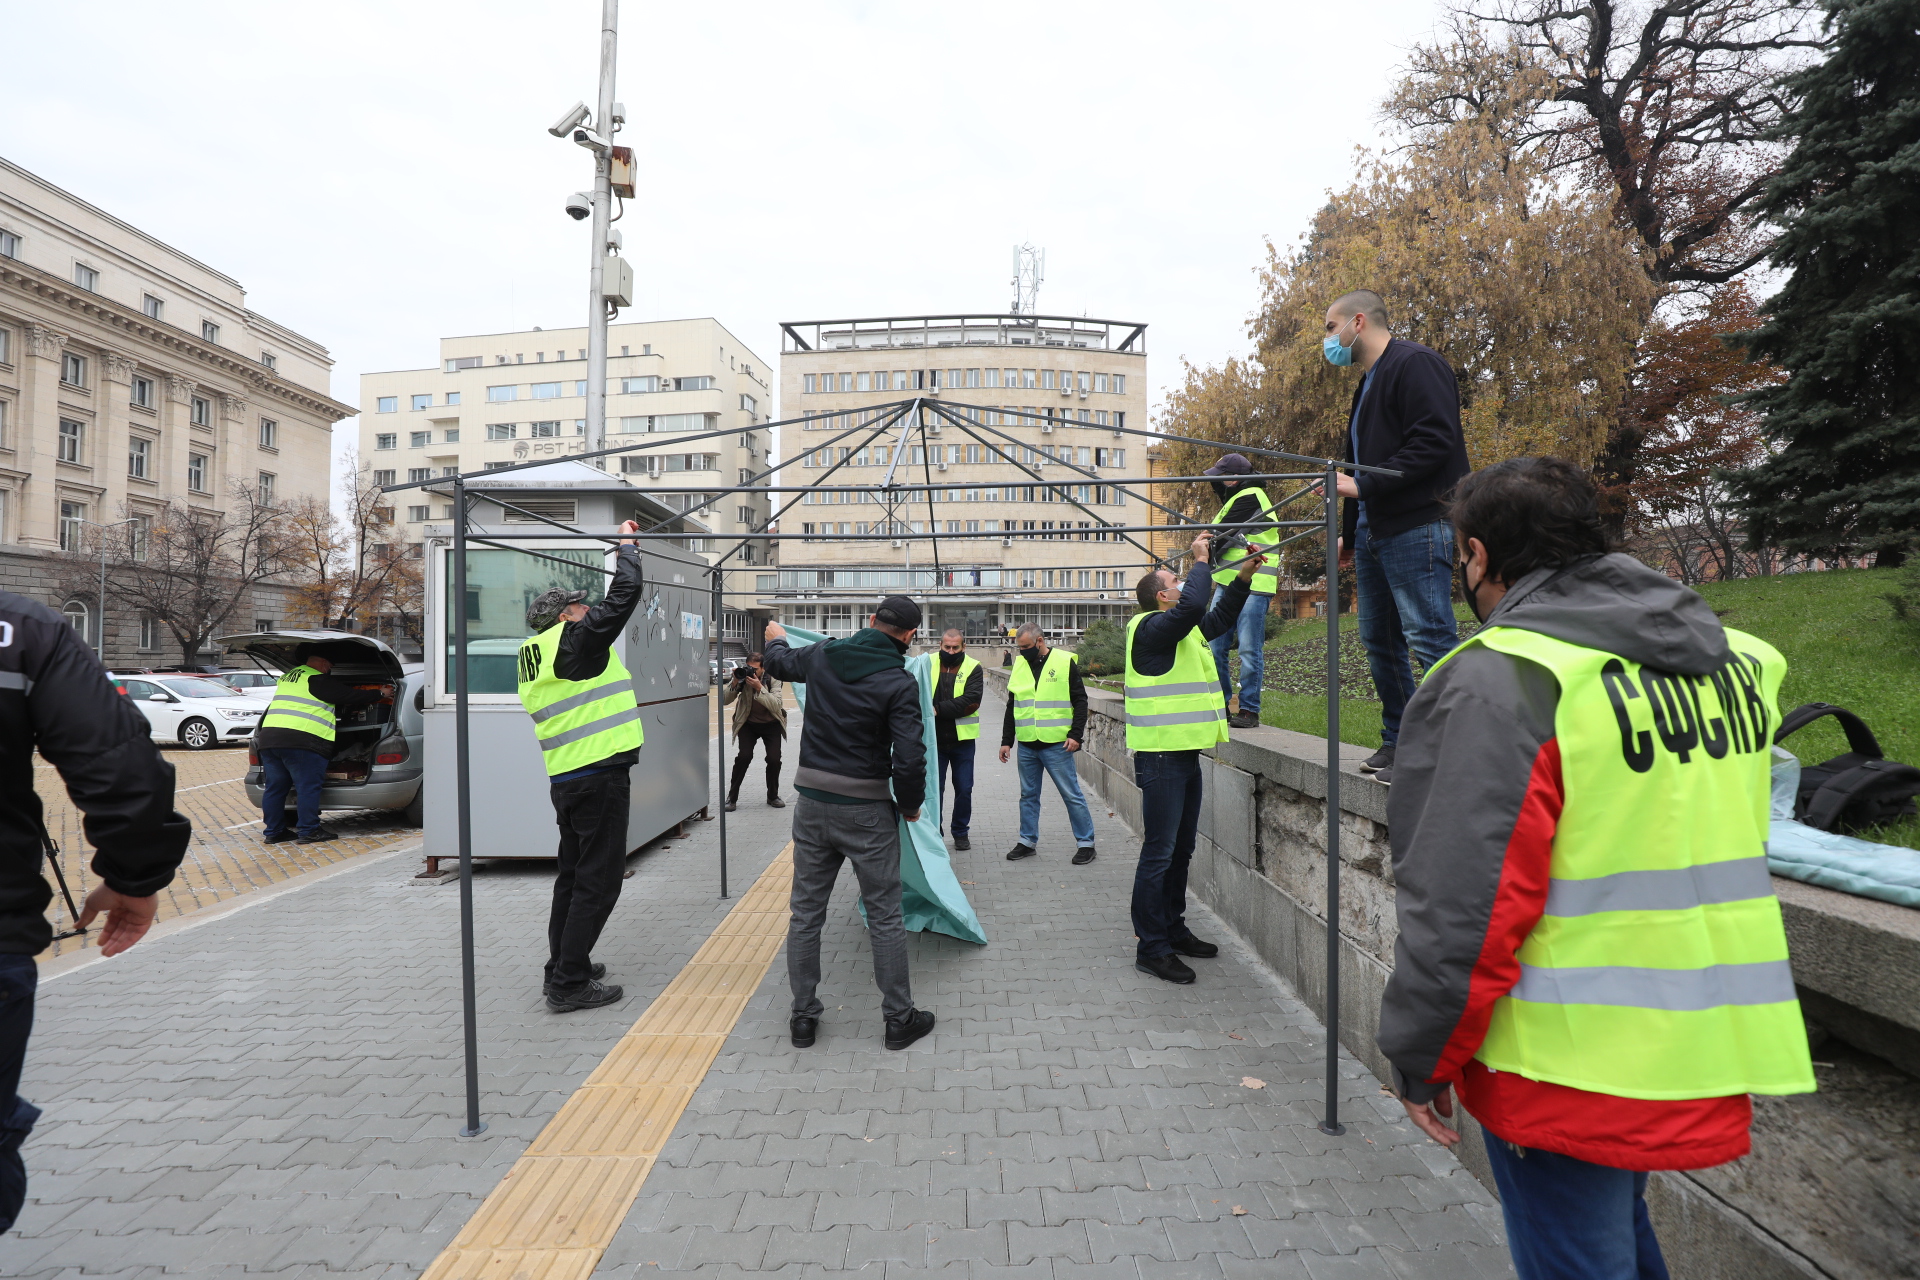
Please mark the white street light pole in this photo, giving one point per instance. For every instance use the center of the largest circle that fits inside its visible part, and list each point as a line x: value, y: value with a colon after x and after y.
x: 602, y: 224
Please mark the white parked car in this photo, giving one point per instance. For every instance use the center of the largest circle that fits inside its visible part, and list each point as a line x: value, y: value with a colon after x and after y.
x: 195, y: 711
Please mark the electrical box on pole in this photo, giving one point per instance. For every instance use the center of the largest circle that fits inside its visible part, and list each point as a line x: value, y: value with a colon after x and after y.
x: 616, y: 281
x: 622, y: 175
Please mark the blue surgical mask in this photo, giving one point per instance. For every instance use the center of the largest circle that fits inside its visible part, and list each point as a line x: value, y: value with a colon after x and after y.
x: 1337, y: 355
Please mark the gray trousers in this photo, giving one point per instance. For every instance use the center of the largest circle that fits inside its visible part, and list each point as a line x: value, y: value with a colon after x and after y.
x: 824, y: 835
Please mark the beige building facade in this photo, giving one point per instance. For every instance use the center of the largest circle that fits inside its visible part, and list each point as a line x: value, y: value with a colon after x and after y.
x: 501, y: 399
x: 132, y: 375
x: 1029, y: 515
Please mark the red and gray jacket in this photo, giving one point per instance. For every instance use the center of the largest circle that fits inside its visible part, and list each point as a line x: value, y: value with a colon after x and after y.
x: 1477, y: 795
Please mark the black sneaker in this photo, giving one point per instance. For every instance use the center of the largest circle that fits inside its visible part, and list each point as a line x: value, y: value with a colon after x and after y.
x: 732, y: 805
x: 595, y: 972
x: 1381, y: 759
x: 1192, y: 946
x: 905, y: 1031
x: 1083, y: 855
x: 1384, y: 775
x: 803, y: 1030
x: 775, y: 802
x: 591, y: 996
x: 1166, y: 968
x: 962, y: 843
x: 1243, y: 720
x: 1020, y: 851
x: 320, y: 836
x: 282, y: 838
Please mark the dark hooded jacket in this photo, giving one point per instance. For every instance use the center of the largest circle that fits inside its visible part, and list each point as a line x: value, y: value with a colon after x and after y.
x: 1476, y: 794
x: 862, y: 728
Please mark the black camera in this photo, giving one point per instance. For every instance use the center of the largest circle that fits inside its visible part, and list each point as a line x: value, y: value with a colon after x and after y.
x: 1222, y: 541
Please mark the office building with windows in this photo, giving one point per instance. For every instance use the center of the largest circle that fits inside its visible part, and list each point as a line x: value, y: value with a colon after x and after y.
x: 498, y: 399
x: 1053, y: 395
x: 132, y: 376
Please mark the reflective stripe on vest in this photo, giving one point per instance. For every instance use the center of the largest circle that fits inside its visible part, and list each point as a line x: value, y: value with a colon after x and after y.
x: 578, y: 722
x: 293, y: 706
x: 1659, y: 969
x: 1183, y: 710
x: 1042, y: 711
x: 966, y: 728
x: 1266, y: 579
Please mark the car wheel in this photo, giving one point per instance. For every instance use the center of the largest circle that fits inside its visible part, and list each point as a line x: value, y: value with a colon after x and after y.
x: 415, y: 814
x: 196, y: 734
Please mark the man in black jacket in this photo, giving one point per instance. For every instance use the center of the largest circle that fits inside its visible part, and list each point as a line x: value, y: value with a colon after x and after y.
x: 956, y: 709
x: 55, y: 698
x: 292, y: 759
x: 1405, y: 417
x: 862, y: 753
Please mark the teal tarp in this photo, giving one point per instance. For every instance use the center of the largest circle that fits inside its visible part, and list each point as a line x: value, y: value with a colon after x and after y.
x: 931, y: 897
x: 1829, y: 859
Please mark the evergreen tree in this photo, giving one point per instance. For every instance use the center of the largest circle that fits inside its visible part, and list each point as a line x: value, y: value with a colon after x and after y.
x: 1845, y: 426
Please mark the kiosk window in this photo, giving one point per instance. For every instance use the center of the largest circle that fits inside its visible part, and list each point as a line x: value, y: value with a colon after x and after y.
x: 500, y: 586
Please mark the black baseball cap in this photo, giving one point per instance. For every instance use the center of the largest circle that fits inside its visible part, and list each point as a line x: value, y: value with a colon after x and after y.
x: 898, y: 611
x: 1233, y: 464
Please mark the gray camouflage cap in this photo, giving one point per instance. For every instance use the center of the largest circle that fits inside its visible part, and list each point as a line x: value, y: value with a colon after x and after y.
x: 546, y: 607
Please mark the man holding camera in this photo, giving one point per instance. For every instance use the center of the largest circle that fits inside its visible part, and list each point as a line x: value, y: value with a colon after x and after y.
x: 758, y: 716
x: 1175, y: 710
x: 1244, y: 503
x: 957, y: 689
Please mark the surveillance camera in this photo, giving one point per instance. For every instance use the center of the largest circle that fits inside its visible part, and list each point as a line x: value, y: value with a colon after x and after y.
x: 590, y: 140
x: 579, y: 206
x: 575, y: 114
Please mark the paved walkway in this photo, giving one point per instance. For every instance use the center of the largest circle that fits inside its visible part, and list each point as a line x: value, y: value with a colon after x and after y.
x: 278, y: 1091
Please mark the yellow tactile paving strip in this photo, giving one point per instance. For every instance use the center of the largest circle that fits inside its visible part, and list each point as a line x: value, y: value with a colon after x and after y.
x: 556, y: 1210
x: 226, y: 858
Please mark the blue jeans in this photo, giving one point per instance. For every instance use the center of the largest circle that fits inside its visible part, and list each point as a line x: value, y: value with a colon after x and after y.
x: 1058, y: 762
x: 1571, y: 1220
x: 1169, y: 784
x: 19, y: 976
x: 304, y: 772
x: 1406, y: 601
x: 959, y: 757
x: 1250, y: 635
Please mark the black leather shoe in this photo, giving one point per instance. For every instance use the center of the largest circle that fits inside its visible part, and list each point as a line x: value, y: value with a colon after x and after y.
x: 320, y: 836
x: 804, y: 1029
x: 282, y: 838
x: 595, y: 972
x: 1166, y: 968
x: 961, y: 842
x: 1381, y: 759
x: 732, y: 805
x: 591, y: 996
x: 775, y: 802
x: 1243, y: 720
x: 1083, y: 855
x: 1192, y: 946
x: 1020, y: 851
x: 906, y: 1030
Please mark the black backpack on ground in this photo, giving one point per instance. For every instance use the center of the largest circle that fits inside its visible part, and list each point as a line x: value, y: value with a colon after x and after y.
x: 1859, y: 789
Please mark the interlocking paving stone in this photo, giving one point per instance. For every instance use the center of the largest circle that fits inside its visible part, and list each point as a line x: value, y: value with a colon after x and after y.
x: 283, y: 1090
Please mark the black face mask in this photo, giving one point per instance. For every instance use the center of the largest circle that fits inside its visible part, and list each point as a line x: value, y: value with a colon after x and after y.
x: 951, y: 659
x: 1220, y: 489
x: 1470, y: 592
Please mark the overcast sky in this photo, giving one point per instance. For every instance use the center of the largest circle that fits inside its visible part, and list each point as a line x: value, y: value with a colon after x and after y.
x: 378, y: 175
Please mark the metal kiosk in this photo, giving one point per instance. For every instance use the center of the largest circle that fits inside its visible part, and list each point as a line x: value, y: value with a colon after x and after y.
x: 664, y: 647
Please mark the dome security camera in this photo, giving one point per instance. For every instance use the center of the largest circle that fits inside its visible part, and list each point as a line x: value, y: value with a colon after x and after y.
x: 579, y: 206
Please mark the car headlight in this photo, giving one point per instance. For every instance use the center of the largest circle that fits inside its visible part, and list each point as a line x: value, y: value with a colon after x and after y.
x: 232, y: 714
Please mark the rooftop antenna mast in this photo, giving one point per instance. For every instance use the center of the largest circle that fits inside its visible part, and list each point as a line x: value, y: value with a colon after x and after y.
x: 1029, y: 272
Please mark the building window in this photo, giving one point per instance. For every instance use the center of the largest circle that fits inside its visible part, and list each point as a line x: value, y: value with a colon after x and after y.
x: 422, y: 402
x: 498, y: 466
x: 541, y: 430
x: 149, y: 634
x: 419, y: 439
x: 86, y: 277
x: 6, y: 346
x: 202, y: 412
x: 417, y: 474
x: 137, y: 451
x: 142, y: 392
x: 453, y: 399
x: 76, y: 615
x: 9, y: 245
x: 263, y: 488
x: 465, y: 362
x: 650, y: 383
x: 73, y: 439
x: 706, y: 384
x: 416, y: 514
x: 140, y: 537
x: 453, y: 435
x: 809, y: 384
x: 387, y: 440
x: 73, y: 519
x: 383, y: 478
x: 501, y: 395
x: 387, y: 404
x: 270, y: 360
x: 152, y: 306
x: 546, y: 390
x: 502, y: 430
x: 197, y: 472
x: 749, y: 404
x: 269, y: 434
x: 73, y: 370
x: 209, y: 331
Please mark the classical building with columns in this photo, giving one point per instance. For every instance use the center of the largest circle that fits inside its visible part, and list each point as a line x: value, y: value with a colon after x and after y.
x: 132, y: 375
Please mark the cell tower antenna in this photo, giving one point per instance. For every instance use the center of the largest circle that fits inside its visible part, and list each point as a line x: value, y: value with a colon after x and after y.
x: 1029, y: 272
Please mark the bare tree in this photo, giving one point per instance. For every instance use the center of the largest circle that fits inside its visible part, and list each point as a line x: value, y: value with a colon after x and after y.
x: 351, y: 573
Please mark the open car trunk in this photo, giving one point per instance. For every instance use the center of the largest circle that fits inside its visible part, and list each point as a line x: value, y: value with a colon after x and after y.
x: 361, y: 661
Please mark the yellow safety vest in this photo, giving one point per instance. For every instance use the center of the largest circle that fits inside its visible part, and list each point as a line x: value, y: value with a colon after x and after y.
x: 1266, y: 579
x: 1660, y: 967
x: 967, y: 728
x: 294, y: 707
x: 1183, y: 710
x: 1042, y: 711
x: 578, y: 722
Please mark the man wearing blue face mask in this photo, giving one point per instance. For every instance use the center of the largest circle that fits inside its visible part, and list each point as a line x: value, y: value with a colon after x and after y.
x: 1405, y: 416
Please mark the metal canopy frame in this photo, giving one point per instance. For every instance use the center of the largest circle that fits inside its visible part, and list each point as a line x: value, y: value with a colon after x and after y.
x: 908, y: 416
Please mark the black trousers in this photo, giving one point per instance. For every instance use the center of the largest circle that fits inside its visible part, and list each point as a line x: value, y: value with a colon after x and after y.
x: 18, y: 978
x: 766, y: 732
x: 592, y: 814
